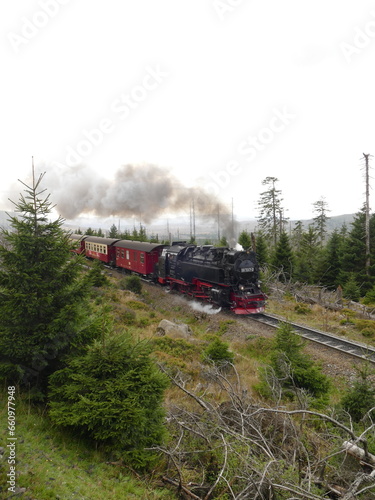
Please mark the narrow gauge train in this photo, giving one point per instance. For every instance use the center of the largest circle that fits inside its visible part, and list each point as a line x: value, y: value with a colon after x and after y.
x: 220, y: 276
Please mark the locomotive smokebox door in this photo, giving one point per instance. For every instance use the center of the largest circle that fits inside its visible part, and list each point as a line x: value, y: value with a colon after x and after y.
x: 245, y: 266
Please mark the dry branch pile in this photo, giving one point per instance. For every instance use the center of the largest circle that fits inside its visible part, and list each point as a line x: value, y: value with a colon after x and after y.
x: 238, y: 449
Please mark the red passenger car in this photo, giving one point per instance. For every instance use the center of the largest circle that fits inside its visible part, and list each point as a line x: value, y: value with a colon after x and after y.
x: 100, y: 248
x: 136, y: 256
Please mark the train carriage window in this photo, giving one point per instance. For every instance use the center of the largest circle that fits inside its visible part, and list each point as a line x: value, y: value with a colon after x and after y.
x: 127, y: 255
x: 142, y: 258
x: 122, y: 254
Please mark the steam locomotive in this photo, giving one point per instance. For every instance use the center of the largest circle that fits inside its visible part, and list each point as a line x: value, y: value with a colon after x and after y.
x: 221, y: 276
x: 224, y: 277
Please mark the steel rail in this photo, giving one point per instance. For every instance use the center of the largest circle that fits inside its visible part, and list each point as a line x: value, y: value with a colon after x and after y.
x: 329, y: 340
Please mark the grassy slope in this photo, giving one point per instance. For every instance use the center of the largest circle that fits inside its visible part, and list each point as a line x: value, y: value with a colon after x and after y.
x: 53, y: 464
x: 57, y: 465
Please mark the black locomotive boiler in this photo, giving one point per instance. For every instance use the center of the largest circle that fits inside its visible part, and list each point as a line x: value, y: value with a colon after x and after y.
x: 221, y: 276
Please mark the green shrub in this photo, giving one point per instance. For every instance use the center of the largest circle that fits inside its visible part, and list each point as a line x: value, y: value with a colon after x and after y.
x: 369, y: 297
x: 302, y: 309
x: 143, y: 322
x: 293, y: 368
x: 366, y: 327
x: 360, y: 398
x: 113, y: 395
x: 175, y: 347
x: 351, y: 289
x: 368, y: 333
x: 132, y: 283
x: 128, y: 317
x: 218, y: 352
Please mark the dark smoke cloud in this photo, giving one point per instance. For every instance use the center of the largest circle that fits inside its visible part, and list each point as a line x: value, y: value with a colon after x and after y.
x: 143, y: 189
x: 146, y: 191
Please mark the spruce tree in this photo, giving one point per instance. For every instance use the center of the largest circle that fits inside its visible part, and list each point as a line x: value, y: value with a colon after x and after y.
x: 354, y: 253
x: 113, y: 394
x: 223, y: 242
x: 261, y: 249
x: 42, y: 292
x: 321, y: 219
x: 244, y: 240
x: 330, y: 264
x: 283, y: 258
x: 308, y: 256
x: 142, y: 235
x: 113, y: 232
x: 271, y: 220
x: 297, y: 235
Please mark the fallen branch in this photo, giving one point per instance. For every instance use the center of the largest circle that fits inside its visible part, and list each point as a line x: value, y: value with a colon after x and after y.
x: 357, y: 452
x: 181, y: 487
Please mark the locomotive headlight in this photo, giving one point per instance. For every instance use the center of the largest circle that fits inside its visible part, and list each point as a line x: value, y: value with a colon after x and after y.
x: 242, y: 288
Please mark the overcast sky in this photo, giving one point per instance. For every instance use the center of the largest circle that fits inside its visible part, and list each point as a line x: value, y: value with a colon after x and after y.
x: 219, y: 93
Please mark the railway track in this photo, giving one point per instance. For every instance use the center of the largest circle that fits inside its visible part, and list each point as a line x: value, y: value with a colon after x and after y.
x: 348, y: 347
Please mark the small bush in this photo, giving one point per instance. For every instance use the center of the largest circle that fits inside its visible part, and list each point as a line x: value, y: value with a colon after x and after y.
x: 128, y: 317
x: 218, y: 352
x: 132, y: 283
x: 175, y: 347
x: 368, y: 333
x: 302, y: 309
x: 360, y: 398
x: 366, y: 327
x: 143, y: 322
x: 292, y: 367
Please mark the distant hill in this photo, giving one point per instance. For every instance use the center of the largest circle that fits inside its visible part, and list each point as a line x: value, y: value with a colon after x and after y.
x: 333, y: 223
